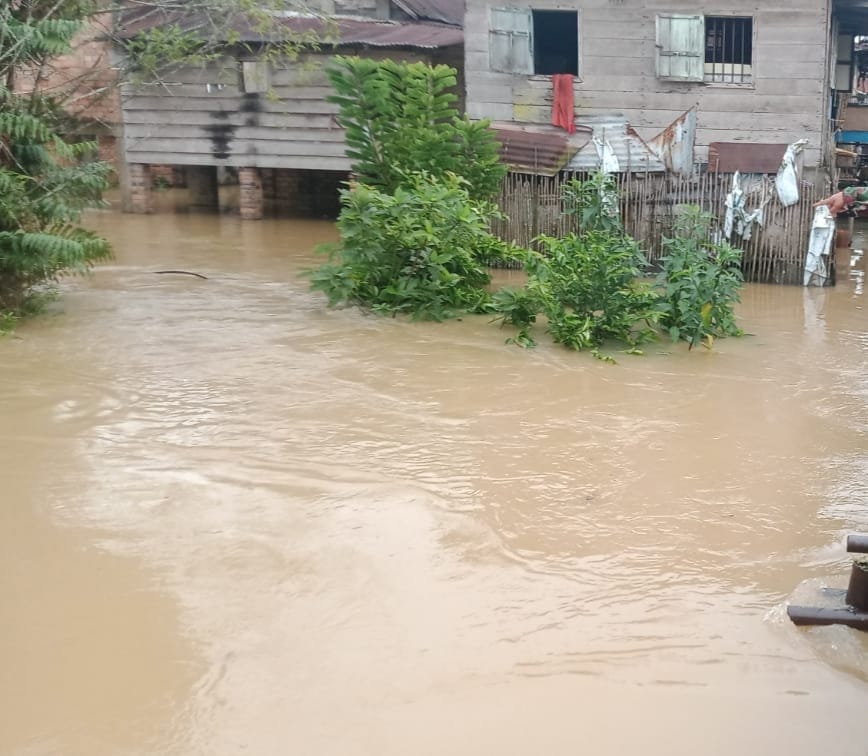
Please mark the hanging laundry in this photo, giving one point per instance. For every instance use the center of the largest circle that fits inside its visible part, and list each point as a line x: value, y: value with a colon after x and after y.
x: 563, y: 111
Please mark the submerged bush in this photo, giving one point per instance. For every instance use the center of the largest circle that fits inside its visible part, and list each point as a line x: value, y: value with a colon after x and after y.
x: 700, y: 282
x: 419, y: 250
x: 587, y: 288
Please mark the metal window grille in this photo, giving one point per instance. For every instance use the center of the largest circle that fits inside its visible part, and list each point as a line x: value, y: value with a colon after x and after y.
x: 728, y: 49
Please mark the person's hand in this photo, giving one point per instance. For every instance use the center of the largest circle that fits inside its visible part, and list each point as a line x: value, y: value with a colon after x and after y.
x: 836, y: 203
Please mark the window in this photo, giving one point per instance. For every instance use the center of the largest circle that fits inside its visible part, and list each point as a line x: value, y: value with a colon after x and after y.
x: 705, y: 48
x: 524, y: 41
x: 728, y: 43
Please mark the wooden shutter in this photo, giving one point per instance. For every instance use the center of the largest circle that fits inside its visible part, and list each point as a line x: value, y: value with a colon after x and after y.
x: 510, y: 40
x: 680, y: 47
x: 254, y: 76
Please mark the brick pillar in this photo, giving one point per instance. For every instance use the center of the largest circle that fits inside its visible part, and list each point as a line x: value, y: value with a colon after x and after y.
x: 202, y: 193
x: 250, y: 193
x: 139, y: 198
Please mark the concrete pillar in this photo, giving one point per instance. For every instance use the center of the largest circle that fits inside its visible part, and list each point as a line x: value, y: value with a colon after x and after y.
x: 250, y: 194
x: 137, y: 192
x: 202, y: 193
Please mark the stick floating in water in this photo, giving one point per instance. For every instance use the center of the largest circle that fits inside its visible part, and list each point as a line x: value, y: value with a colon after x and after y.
x: 181, y: 273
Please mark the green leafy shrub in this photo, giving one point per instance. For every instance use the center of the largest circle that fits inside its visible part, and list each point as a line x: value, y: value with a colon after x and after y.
x: 594, y: 202
x: 587, y: 288
x: 400, y: 120
x: 700, y: 282
x: 418, y: 250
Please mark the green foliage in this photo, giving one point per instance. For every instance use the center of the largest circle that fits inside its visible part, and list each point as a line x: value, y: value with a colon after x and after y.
x: 400, y: 120
x: 416, y: 250
x: 152, y: 51
x: 595, y: 203
x: 700, y: 281
x: 586, y: 287
x: 176, y: 35
x: 44, y: 183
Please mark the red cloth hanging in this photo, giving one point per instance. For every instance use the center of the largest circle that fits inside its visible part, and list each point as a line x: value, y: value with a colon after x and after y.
x: 563, y: 111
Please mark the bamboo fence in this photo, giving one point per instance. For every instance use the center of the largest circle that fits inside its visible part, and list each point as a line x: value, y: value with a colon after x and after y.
x: 650, y: 203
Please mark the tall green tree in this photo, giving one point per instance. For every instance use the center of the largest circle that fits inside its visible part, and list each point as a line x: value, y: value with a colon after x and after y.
x: 45, y: 183
x: 401, y: 119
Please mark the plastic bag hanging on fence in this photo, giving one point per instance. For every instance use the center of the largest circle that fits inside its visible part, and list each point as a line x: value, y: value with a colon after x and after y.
x: 819, y: 247
x: 734, y: 203
x: 737, y: 218
x: 787, y: 180
x: 608, y: 159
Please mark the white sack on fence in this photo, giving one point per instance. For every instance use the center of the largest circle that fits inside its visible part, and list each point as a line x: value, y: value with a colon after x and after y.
x: 819, y: 247
x: 608, y: 159
x: 737, y: 217
x: 787, y: 180
x: 734, y: 204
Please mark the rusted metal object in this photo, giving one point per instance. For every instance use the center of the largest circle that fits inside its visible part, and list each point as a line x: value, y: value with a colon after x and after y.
x: 444, y: 11
x: 674, y: 145
x: 539, y: 150
x: 855, y: 611
x: 814, y: 615
x: 729, y: 157
x: 857, y: 590
x: 332, y: 31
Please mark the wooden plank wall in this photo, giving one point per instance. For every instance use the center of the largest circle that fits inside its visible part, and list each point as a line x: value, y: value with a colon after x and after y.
x: 650, y: 203
x: 785, y: 102
x: 202, y: 117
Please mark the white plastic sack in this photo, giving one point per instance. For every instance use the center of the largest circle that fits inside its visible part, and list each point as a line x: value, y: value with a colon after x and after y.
x: 608, y: 159
x: 787, y: 180
x: 819, y: 247
x: 734, y: 204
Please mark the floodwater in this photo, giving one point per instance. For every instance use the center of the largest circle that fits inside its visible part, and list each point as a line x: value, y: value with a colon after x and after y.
x: 236, y: 522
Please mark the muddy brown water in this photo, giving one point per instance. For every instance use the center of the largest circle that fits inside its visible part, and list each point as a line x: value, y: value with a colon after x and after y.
x: 234, y: 521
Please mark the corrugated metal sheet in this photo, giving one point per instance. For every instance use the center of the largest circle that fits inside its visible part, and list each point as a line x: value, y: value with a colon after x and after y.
x: 445, y: 11
x: 729, y: 157
x: 338, y: 30
x: 632, y: 152
x: 542, y: 150
x: 674, y: 145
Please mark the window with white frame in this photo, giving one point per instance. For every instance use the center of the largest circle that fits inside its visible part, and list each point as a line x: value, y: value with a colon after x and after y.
x: 527, y: 41
x: 717, y: 49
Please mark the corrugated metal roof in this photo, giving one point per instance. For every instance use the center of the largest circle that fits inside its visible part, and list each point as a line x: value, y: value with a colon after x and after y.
x: 336, y: 30
x: 729, y: 157
x: 631, y: 151
x: 674, y: 145
x: 542, y: 150
x: 446, y: 11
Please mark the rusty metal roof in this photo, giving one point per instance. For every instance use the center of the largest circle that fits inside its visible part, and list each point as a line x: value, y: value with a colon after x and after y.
x: 745, y: 157
x: 543, y: 150
x: 335, y: 30
x: 445, y: 11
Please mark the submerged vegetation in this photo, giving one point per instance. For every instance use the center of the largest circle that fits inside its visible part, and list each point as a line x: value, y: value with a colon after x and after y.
x: 416, y: 240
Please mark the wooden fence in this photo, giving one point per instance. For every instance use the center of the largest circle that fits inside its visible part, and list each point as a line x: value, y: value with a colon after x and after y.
x: 649, y: 204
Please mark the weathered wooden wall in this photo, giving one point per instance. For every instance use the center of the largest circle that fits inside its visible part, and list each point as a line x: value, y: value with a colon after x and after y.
x: 202, y: 117
x: 787, y: 99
